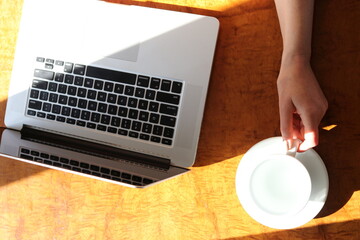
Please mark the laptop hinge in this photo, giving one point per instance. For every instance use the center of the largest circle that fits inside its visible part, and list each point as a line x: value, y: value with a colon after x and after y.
x: 92, y: 148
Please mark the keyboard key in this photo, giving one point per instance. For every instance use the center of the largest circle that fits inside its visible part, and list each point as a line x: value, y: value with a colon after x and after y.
x: 169, y: 132
x: 157, y: 130
x: 56, y: 109
x: 98, y: 84
x: 143, y: 104
x: 92, y: 106
x: 81, y: 92
x: 168, y: 109
x: 35, y: 105
x: 31, y: 112
x: 95, y: 117
x: 89, y: 82
x: 69, y: 79
x: 111, y: 98
x: 49, y: 66
x: 101, y: 127
x: 102, y: 107
x: 109, y: 86
x: 122, y: 132
x: 136, y: 126
x: 143, y: 81
x: 60, y: 119
x: 112, y: 109
x: 34, y: 93
x: 70, y: 121
x: 80, y: 123
x: 132, y: 102
x: 133, y: 114
x: 68, y: 67
x: 129, y: 90
x: 72, y: 101
x: 155, y: 83
x: 119, y: 88
x: 65, y: 111
x: 52, y: 87
x: 82, y: 103
x: 63, y: 99
x: 53, y: 97
x: 84, y: 165
x: 40, y: 115
x: 39, y: 84
x: 59, y: 63
x: 59, y: 77
x: 134, y: 134
x: 46, y: 107
x: 154, y: 118
x: 150, y: 94
x: 144, y: 116
x: 115, y: 173
x: 154, y: 107
x: 147, y: 128
x: 112, y: 130
x: 90, y: 125
x: 75, y: 113
x: 85, y: 115
x: 176, y: 87
x: 49, y: 75
x: 105, y: 119
x: 126, y: 123
x: 72, y: 90
x: 144, y: 137
x: 140, y: 92
x: 101, y: 96
x: 95, y: 168
x: 62, y: 88
x: 123, y: 112
x: 115, y: 121
x: 165, y: 85
x: 79, y: 81
x: 40, y: 59
x: 168, y: 121
x: 168, y: 98
x: 122, y: 100
x: 155, y: 139
x: 79, y: 69
x: 117, y: 76
x: 91, y: 94
x: 166, y: 141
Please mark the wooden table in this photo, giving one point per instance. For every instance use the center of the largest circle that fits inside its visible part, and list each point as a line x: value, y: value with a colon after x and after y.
x: 38, y: 203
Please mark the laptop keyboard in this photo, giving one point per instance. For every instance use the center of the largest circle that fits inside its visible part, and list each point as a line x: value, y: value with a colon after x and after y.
x: 86, y: 168
x: 136, y: 106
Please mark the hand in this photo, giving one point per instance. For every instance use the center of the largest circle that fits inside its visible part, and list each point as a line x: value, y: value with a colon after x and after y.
x: 302, y: 104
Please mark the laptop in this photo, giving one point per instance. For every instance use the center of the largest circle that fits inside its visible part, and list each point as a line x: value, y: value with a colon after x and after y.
x: 108, y: 91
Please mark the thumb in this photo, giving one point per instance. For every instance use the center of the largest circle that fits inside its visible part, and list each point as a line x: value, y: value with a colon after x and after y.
x: 286, y: 121
x: 311, y: 134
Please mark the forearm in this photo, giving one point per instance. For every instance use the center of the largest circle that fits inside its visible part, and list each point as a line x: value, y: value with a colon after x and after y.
x: 295, y: 17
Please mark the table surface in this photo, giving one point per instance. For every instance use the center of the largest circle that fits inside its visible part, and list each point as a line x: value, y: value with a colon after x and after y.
x: 241, y: 110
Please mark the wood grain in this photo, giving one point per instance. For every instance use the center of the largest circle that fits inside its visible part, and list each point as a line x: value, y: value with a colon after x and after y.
x: 241, y: 109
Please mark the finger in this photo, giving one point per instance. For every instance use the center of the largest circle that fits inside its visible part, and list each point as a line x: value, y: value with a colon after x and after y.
x: 311, y: 134
x: 286, y: 121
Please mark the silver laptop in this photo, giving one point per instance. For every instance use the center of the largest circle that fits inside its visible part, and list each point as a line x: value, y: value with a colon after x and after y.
x: 109, y: 91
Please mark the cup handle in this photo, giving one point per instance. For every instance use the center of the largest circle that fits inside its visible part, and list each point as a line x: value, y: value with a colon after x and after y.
x: 292, y: 146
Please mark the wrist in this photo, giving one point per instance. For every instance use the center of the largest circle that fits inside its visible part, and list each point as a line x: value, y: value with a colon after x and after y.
x: 295, y: 58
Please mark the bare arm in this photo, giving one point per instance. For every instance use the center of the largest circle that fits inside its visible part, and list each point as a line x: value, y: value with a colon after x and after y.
x: 302, y: 104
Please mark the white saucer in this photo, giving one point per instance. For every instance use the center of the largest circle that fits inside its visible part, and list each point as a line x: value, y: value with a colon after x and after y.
x: 317, y: 172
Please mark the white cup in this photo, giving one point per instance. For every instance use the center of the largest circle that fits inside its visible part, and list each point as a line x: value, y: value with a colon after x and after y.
x: 280, y: 185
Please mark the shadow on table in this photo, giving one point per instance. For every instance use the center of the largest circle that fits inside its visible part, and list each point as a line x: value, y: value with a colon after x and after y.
x: 324, y: 231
